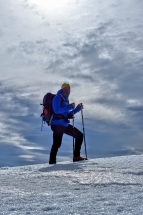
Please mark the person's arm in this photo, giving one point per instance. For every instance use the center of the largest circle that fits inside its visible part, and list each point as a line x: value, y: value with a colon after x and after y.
x: 57, y: 106
x: 76, y: 110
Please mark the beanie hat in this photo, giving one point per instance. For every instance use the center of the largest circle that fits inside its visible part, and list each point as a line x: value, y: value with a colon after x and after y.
x: 65, y: 85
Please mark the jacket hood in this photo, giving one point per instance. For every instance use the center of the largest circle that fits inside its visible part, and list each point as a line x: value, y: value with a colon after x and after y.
x: 60, y: 92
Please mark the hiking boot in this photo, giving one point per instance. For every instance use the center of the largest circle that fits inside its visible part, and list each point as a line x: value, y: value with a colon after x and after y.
x: 52, y: 162
x: 52, y: 159
x: 75, y: 159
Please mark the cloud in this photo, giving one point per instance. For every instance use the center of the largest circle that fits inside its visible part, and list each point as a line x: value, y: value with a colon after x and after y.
x: 17, y: 114
x: 136, y: 109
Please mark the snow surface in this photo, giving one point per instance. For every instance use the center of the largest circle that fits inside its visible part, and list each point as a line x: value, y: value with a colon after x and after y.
x: 98, y: 186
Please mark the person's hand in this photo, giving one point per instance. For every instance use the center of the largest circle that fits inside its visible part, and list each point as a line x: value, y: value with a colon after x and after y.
x: 80, y: 105
x: 70, y: 116
x: 73, y: 104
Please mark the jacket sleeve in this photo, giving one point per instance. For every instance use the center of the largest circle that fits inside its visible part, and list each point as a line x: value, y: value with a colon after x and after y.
x: 76, y: 110
x: 57, y: 106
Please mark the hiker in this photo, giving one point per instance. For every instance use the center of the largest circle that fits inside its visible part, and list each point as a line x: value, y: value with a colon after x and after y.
x: 63, y: 111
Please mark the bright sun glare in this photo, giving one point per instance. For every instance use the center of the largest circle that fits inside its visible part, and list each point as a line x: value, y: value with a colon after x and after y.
x: 50, y: 5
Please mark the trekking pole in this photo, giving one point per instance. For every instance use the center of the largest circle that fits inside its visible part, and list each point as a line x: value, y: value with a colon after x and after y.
x: 73, y: 134
x: 83, y: 132
x: 42, y: 124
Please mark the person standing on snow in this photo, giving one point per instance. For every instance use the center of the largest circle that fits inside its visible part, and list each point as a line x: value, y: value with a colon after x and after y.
x: 60, y: 123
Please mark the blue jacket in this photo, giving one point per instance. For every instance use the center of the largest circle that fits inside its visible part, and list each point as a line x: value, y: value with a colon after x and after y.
x: 61, y: 105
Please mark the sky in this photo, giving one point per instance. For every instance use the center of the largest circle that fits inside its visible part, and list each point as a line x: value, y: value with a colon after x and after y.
x: 105, y: 186
x: 97, y: 47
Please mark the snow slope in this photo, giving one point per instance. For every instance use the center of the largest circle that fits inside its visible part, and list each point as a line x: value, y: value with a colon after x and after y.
x: 98, y: 186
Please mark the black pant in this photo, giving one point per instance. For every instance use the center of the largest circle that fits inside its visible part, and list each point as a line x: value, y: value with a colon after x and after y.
x: 58, y: 131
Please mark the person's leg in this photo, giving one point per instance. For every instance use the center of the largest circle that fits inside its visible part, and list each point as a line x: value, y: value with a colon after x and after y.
x: 78, y: 135
x: 58, y: 131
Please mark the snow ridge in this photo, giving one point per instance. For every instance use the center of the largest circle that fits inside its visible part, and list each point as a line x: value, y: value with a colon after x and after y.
x: 97, y: 186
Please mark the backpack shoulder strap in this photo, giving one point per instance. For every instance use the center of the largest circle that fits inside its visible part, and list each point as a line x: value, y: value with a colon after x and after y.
x: 63, y: 99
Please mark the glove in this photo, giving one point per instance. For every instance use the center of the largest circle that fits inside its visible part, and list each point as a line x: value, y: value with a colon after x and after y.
x: 80, y: 106
x: 70, y: 116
